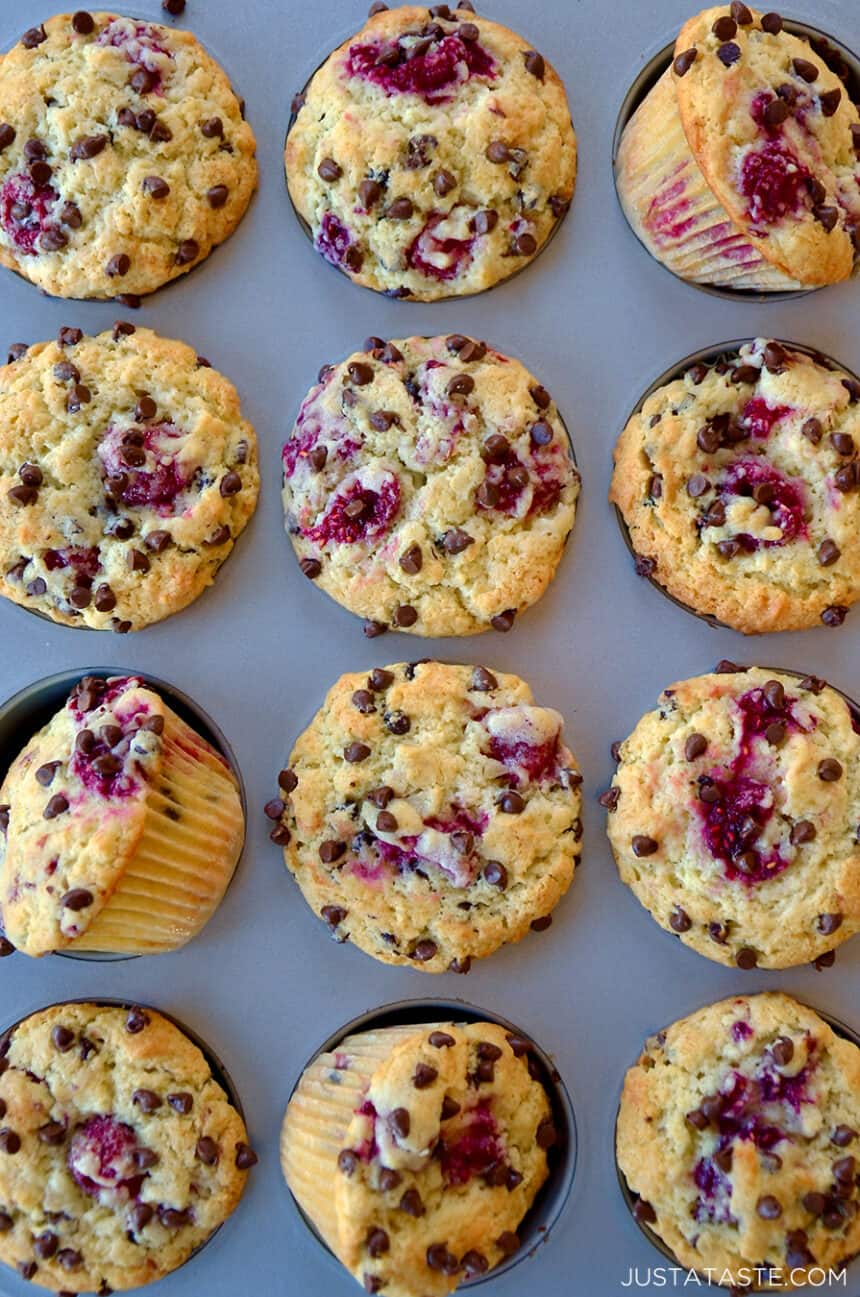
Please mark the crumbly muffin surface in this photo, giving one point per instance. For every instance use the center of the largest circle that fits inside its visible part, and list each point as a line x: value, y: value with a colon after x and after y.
x: 429, y: 485
x: 124, y: 156
x: 735, y: 817
x: 738, y: 1130
x: 432, y: 154
x: 739, y: 484
x: 126, y: 474
x: 119, y: 1151
x: 430, y: 813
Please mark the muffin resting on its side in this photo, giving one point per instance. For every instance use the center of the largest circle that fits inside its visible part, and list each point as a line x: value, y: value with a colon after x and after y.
x: 120, y: 1153
x: 416, y: 1151
x: 429, y: 485
x: 734, y: 816
x: 739, y: 168
x: 430, y: 813
x: 120, y: 827
x: 738, y: 1129
x: 739, y: 485
x: 124, y: 155
x: 432, y: 154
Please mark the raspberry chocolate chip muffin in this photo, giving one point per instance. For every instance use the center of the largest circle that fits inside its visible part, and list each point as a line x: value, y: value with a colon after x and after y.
x: 740, y: 166
x: 124, y: 157
x: 120, y: 1153
x: 429, y: 486
x: 126, y: 474
x: 430, y: 813
x: 433, y: 153
x: 120, y: 827
x: 738, y: 1129
x: 739, y: 484
x: 417, y: 1151
x: 734, y: 816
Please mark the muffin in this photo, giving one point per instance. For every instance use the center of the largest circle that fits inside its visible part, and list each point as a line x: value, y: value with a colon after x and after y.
x: 124, y: 156
x: 126, y: 474
x: 416, y: 1151
x: 430, y: 813
x: 120, y: 827
x: 429, y: 486
x: 739, y: 168
x: 738, y: 1131
x: 739, y: 486
x: 734, y: 816
x: 432, y: 155
x: 120, y: 1153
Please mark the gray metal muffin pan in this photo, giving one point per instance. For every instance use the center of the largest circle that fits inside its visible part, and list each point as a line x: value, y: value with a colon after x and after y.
x: 595, y: 318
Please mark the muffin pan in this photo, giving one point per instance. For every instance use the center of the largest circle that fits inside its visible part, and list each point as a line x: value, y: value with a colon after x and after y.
x: 833, y: 52
x: 550, y: 1202
x: 595, y: 318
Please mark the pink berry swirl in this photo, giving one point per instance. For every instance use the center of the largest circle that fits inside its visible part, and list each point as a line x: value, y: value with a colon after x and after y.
x: 429, y: 486
x: 126, y: 474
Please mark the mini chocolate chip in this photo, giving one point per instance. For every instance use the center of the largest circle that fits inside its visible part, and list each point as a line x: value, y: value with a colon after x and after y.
x: 138, y: 561
x: 400, y: 1122
x: 503, y: 621
x: 155, y: 187
x: 424, y: 1076
x: 740, y: 13
x: 804, y: 69
x: 842, y: 442
x: 443, y: 183
x: 827, y: 216
x: 685, y: 61
x: 776, y: 112
x: 386, y: 822
x: 485, y: 221
x: 10, y: 1141
x: 400, y: 210
x: 511, y: 803
x: 768, y: 1207
x: 643, y: 845
x: 56, y: 806
x: 546, y: 1135
x: 495, y: 874
x: 141, y: 1214
x: 440, y: 1259
x: 725, y: 28
x: 33, y: 37
x: 441, y: 1040
x: 534, y: 64
x: 147, y: 1100
x: 827, y: 924
x: 729, y: 53
x: 412, y: 560
x: 834, y: 615
x: 424, y: 951
x: 23, y: 495
x: 207, y: 1151
x: 679, y: 920
x: 829, y: 770
x: 718, y: 932
x: 187, y: 251
x: 541, y: 924
x: 802, y: 831
x: 173, y: 1217
x: 412, y: 1203
x: 746, y: 958
x: 355, y: 752
x: 829, y: 101
x: 843, y: 1136
x: 118, y: 265
x: 405, y: 615
x: 136, y: 1020
x: 827, y: 960
x: 181, y: 1101
x: 828, y: 553
x: 82, y: 22
x: 217, y: 196
x: 330, y: 851
x: 52, y: 1133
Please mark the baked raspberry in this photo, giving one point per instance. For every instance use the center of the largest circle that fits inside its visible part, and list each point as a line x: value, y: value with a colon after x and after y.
x: 444, y: 247
x: 363, y: 509
x: 85, y: 561
x: 773, y: 181
x: 527, y: 740
x: 336, y: 243
x: 759, y: 417
x: 475, y: 1147
x: 26, y: 211
x: 143, y: 46
x: 141, y: 465
x: 101, y: 1158
x: 434, y: 74
x: 785, y: 499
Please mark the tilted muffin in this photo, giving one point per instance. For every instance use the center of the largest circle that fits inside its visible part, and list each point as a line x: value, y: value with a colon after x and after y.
x: 740, y: 168
x: 432, y: 154
x: 429, y: 485
x: 739, y: 484
x: 735, y: 816
x: 430, y: 813
x: 126, y: 474
x: 416, y: 1151
x: 738, y: 1130
x: 120, y: 827
x: 119, y: 1153
x: 124, y: 156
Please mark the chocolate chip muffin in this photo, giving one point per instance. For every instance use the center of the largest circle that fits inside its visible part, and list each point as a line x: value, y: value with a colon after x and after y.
x: 738, y: 1131
x: 126, y: 474
x: 740, y: 166
x: 429, y: 486
x: 432, y: 155
x: 124, y: 156
x: 739, y: 484
x: 430, y: 813
x: 120, y: 827
x: 734, y: 816
x: 416, y: 1152
x: 120, y: 1154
